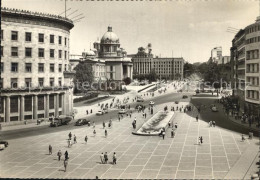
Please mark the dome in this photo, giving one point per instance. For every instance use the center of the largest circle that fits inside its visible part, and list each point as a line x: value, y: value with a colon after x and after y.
x: 110, y: 36
x: 90, y: 53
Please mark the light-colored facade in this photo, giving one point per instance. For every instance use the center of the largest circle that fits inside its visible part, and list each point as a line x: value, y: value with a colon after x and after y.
x: 245, y: 60
x: 166, y: 68
x: 35, y: 74
x: 216, y: 54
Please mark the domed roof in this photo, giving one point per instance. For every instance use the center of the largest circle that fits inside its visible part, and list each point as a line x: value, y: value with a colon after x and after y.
x: 109, y: 36
x: 89, y: 53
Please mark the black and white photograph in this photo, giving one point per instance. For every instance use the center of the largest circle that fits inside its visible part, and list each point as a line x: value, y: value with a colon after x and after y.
x: 130, y: 89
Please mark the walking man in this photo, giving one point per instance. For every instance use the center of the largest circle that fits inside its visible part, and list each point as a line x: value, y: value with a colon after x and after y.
x: 65, y: 165
x: 86, y: 138
x: 114, y: 158
x: 105, y: 133
x: 66, y: 154
x: 59, y: 155
x: 50, y: 149
x: 75, y: 139
x: 172, y: 133
x: 163, y: 134
x: 243, y: 137
x: 197, y: 118
x: 201, y: 140
x: 105, y: 157
x: 102, y: 158
x: 70, y: 135
x: 104, y: 125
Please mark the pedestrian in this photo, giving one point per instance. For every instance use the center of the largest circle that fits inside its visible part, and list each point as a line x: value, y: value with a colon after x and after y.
x: 87, y: 112
x: 66, y: 154
x: 94, y: 125
x: 105, y: 133
x: 169, y: 124
x: 163, y: 134
x: 70, y: 135
x: 243, y: 137
x: 176, y: 125
x: 201, y: 140
x: 213, y: 123
x: 144, y: 115
x: 50, y: 149
x: 102, y: 158
x: 114, y: 158
x: 94, y: 132
x: 65, y: 165
x: 130, y: 114
x: 86, y: 138
x: 75, y: 139
x: 59, y: 154
x: 172, y: 133
x: 105, y: 157
x: 90, y: 111
x: 104, y: 125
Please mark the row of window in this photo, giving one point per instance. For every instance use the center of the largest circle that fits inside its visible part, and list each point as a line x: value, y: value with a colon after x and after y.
x: 28, y: 52
x: 252, y: 94
x: 253, y: 81
x: 252, y: 68
x: 253, y: 29
x: 41, y: 37
x: 28, y: 67
x: 253, y: 40
x: 252, y: 54
x: 28, y: 82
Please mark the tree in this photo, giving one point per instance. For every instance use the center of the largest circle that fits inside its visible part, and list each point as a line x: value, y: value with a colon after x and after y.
x: 188, y: 69
x: 127, y: 80
x: 152, y: 76
x: 83, y: 77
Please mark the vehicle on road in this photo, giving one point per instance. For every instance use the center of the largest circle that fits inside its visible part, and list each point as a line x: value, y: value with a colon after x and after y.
x: 176, y: 102
x: 61, y: 120
x: 139, y: 99
x: 122, y: 111
x: 151, y: 103
x: 184, y: 97
x: 213, y: 108
x: 142, y: 83
x: 105, y: 110
x: 179, y: 90
x: 81, y: 122
x: 139, y: 106
x: 100, y: 113
x: 3, y: 144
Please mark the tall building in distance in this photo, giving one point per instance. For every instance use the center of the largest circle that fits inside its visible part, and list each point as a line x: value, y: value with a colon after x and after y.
x: 245, y: 61
x: 165, y: 68
x: 35, y: 75
x: 216, y: 54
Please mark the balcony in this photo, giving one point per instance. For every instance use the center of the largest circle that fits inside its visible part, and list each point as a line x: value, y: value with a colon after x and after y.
x: 241, y: 66
x: 69, y: 74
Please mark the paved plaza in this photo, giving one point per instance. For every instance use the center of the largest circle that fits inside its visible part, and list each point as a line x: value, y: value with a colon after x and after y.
x: 137, y: 156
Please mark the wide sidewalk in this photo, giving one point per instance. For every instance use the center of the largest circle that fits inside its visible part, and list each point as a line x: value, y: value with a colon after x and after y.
x: 141, y: 157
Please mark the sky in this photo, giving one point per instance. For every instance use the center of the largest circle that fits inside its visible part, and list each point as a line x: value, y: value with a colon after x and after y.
x: 176, y: 28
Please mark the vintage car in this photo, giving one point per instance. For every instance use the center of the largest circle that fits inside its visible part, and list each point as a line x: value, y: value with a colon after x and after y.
x: 122, y: 111
x: 61, y: 120
x: 100, y: 112
x: 140, y: 99
x: 81, y: 122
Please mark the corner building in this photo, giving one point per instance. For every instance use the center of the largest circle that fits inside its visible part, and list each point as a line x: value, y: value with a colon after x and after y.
x: 35, y: 75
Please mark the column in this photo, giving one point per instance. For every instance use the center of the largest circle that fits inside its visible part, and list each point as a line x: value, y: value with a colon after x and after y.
x: 56, y: 100
x: 7, y: 109
x: 62, y: 103
x: 21, y: 107
x: 35, y: 106
x: 47, y: 101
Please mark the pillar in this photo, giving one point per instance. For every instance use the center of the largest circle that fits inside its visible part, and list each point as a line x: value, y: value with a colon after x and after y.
x: 35, y: 106
x: 47, y: 107
x: 56, y: 103
x: 7, y: 109
x: 62, y: 103
x: 21, y: 107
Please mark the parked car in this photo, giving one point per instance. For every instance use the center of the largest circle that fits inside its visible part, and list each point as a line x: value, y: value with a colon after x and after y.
x: 81, y: 122
x: 61, y: 120
x: 4, y: 143
x: 105, y: 110
x: 122, y: 111
x: 100, y: 113
x: 184, y: 97
x: 139, y: 99
x: 151, y: 103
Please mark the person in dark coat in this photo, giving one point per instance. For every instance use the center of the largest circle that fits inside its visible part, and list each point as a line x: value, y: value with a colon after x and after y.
x: 50, y: 149
x: 59, y: 154
x: 66, y: 154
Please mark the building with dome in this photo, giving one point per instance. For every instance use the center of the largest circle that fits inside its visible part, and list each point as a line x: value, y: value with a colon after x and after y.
x: 35, y: 72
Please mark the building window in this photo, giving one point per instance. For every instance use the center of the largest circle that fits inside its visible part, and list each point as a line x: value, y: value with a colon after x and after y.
x: 51, y: 82
x: 14, y: 82
x: 60, y: 39
x: 60, y: 54
x: 111, y: 68
x: 52, y: 53
x: 41, y: 81
x: 28, y: 82
x: 40, y: 67
x: 14, y: 35
x: 2, y: 34
x: 111, y: 75
x: 41, y: 37
x: 14, y: 67
x: 52, y: 39
x: 41, y: 52
x: 65, y: 55
x: 28, y: 36
x: 14, y: 51
x: 28, y: 67
x: 60, y: 67
x: 65, y: 67
x: 28, y: 52
x: 2, y: 67
x: 65, y: 41
x: 51, y: 67
x: 2, y: 51
x: 60, y: 81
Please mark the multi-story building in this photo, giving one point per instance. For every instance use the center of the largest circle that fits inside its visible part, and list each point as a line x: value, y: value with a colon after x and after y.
x: 245, y: 61
x: 35, y: 77
x: 165, y: 68
x: 216, y: 54
x: 224, y: 60
x: 118, y: 65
